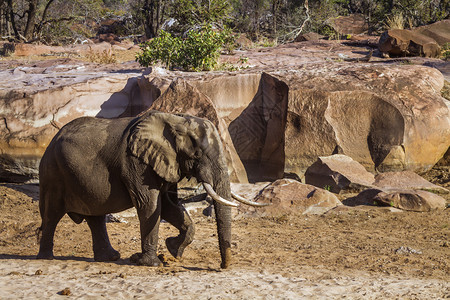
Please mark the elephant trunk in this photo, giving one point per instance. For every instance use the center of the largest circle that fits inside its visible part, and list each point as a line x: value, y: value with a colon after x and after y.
x: 223, y: 220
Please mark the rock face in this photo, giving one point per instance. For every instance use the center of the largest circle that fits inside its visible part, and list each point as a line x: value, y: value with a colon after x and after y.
x: 289, y: 197
x: 338, y: 172
x: 274, y: 121
x: 367, y: 113
x: 181, y: 97
x: 31, y: 116
x: 421, y: 41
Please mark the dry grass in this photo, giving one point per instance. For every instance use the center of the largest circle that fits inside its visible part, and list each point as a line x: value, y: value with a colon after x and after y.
x: 395, y: 22
x: 105, y: 57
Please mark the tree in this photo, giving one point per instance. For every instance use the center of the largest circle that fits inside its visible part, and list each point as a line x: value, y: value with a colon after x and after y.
x: 154, y: 16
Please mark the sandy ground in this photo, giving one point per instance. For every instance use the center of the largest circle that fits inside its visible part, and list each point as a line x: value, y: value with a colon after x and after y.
x: 350, y: 253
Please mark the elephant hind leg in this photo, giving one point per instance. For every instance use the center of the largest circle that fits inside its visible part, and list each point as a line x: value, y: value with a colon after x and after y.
x: 103, y: 251
x: 51, y: 215
x: 178, y: 217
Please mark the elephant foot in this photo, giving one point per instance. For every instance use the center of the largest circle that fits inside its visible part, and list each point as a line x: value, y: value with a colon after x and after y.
x: 146, y: 259
x: 176, y: 246
x: 45, y: 255
x: 109, y: 255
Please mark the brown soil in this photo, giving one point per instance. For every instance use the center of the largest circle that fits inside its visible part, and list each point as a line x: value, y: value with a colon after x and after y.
x: 351, y: 251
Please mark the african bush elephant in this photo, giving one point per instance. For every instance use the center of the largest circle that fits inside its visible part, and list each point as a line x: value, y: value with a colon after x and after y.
x: 94, y: 166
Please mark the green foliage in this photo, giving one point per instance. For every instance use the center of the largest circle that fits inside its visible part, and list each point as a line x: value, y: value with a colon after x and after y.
x: 199, y: 51
x: 193, y: 12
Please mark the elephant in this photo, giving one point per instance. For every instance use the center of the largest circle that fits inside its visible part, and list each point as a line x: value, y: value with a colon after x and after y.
x: 93, y: 167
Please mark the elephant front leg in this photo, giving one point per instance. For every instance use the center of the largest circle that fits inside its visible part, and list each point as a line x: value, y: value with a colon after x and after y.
x: 149, y: 217
x: 177, y: 216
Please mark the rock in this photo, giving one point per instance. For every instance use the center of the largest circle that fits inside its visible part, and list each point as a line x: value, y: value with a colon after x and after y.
x: 309, y: 36
x: 258, y: 133
x: 411, y: 200
x: 281, y: 115
x: 407, y: 250
x: 406, y: 180
x: 445, y: 160
x: 405, y: 199
x: 365, y: 197
x: 243, y: 42
x: 404, y: 42
x: 22, y: 49
x: 289, y: 196
x: 65, y: 292
x: 249, y: 190
x: 107, y: 37
x: 347, y: 110
x: 352, y: 24
x: 338, y: 172
x: 81, y: 49
x: 181, y: 97
x: 421, y: 41
x: 32, y: 115
x: 439, y: 31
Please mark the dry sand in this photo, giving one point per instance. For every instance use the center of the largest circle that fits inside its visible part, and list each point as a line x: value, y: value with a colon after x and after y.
x: 348, y: 253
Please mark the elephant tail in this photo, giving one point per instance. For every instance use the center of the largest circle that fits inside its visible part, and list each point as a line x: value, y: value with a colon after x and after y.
x: 39, y: 234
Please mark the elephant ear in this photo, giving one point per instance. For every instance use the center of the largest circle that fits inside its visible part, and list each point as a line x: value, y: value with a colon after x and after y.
x: 152, y: 140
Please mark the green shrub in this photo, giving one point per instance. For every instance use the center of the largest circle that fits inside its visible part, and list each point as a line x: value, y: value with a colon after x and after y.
x: 199, y: 51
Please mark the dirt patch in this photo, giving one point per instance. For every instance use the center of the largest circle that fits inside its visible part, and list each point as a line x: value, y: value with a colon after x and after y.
x: 356, y: 252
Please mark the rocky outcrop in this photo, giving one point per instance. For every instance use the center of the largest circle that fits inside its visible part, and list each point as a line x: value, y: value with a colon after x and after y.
x: 338, y: 172
x: 290, y: 197
x: 31, y: 116
x: 275, y: 121
x: 32, y: 49
x: 368, y: 113
x: 181, y: 97
x: 421, y: 41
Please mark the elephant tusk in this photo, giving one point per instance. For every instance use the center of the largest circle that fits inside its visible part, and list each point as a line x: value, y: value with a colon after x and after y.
x: 248, y: 202
x: 209, y: 189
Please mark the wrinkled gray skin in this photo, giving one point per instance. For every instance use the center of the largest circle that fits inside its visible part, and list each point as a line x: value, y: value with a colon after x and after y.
x: 95, y: 166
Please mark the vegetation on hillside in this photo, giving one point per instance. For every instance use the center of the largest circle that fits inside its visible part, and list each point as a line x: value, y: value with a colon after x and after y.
x: 61, y: 21
x: 190, y: 33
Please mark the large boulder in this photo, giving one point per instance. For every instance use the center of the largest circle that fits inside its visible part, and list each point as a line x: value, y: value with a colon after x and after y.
x: 309, y: 36
x: 421, y: 41
x: 404, y: 42
x: 181, y: 97
x: 352, y: 24
x: 413, y: 200
x: 387, y: 118
x: 405, y: 199
x: 406, y: 180
x: 338, y: 172
x: 290, y: 197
